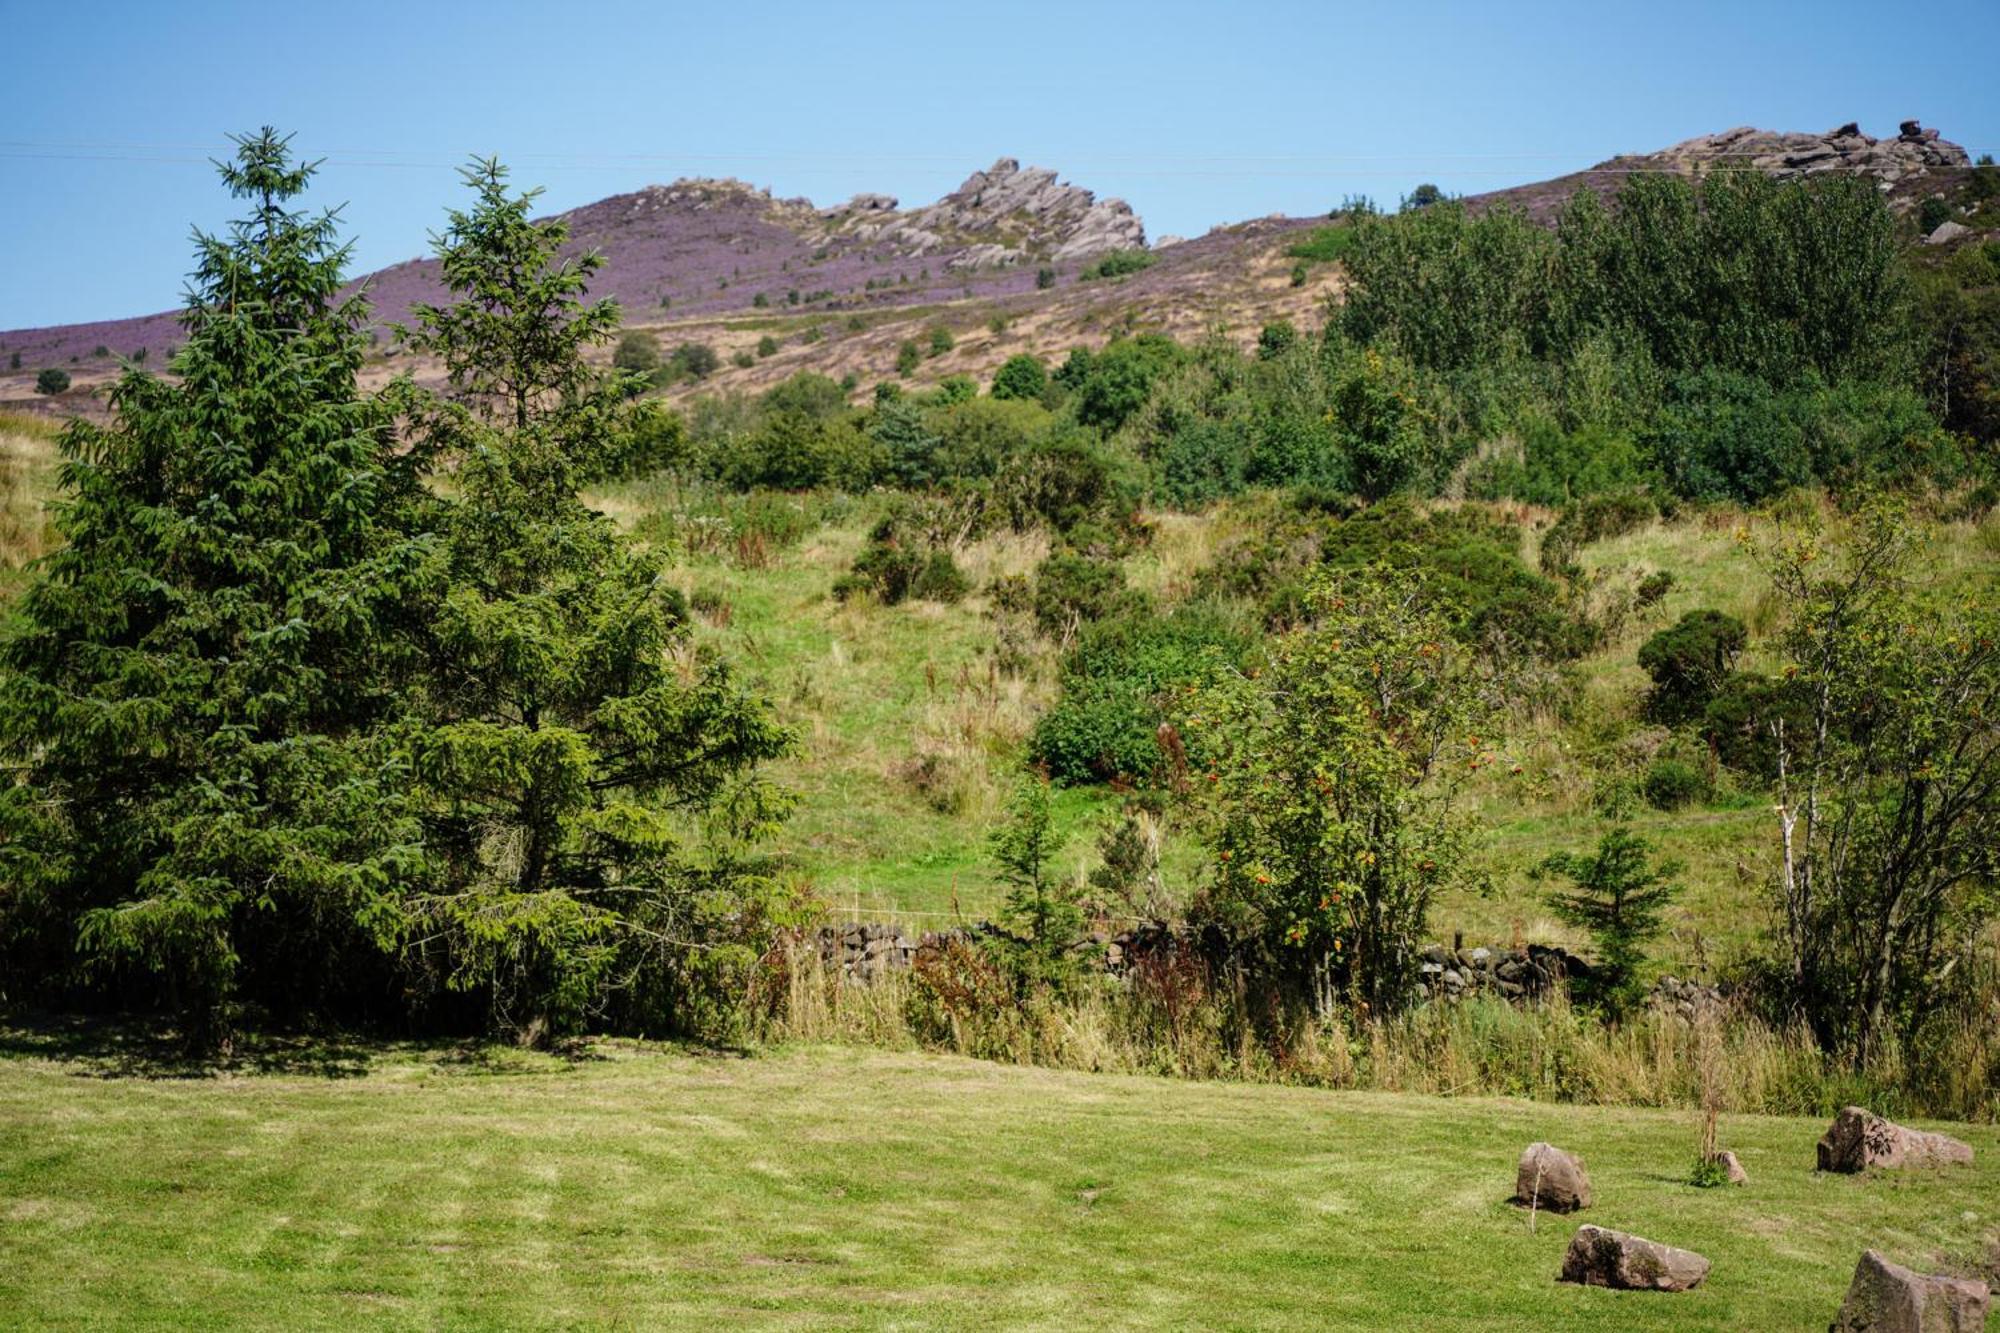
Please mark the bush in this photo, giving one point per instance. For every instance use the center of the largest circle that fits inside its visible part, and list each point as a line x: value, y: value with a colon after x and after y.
x: 52, y: 381
x: 743, y: 360
x: 908, y: 358
x: 1275, y: 339
x: 1653, y: 587
x: 1105, y: 724
x: 1073, y: 589
x: 1689, y: 662
x: 695, y: 361
x: 1021, y: 376
x: 638, y: 352
x: 1670, y: 784
x: 941, y: 340
x: 1045, y: 278
x: 1118, y: 264
x: 1114, y: 384
x: 904, y: 560
x: 767, y: 346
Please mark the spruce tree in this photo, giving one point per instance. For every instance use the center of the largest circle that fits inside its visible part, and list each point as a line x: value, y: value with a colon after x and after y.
x: 572, y: 751
x: 199, y: 682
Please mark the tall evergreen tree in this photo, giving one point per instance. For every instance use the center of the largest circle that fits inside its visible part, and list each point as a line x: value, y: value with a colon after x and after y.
x: 573, y: 750
x: 198, y: 682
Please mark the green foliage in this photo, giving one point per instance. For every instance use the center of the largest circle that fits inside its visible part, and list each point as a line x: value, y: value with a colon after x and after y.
x: 49, y: 380
x: 908, y: 556
x: 564, y: 766
x: 1118, y: 264
x: 1073, y: 590
x: 694, y: 361
x: 1042, y: 907
x: 1021, y: 376
x: 1275, y: 339
x: 1888, y: 801
x: 1933, y: 213
x: 1045, y: 278
x: 767, y: 346
x: 1113, y: 384
x: 908, y: 357
x: 1620, y: 895
x: 941, y: 340
x: 1689, y: 662
x: 1670, y: 783
x: 1335, y: 775
x: 1116, y: 682
x: 200, y: 696
x: 1323, y: 245
x: 638, y: 352
x: 1424, y: 196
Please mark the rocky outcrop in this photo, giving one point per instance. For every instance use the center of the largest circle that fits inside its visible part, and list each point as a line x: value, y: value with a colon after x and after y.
x: 1549, y: 1178
x: 1787, y: 155
x: 1860, y: 1140
x: 1889, y: 1298
x: 1025, y: 211
x: 1947, y: 232
x: 1600, y: 1257
x: 1685, y: 999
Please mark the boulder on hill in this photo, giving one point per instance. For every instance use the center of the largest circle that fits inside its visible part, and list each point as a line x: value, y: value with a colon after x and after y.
x: 1860, y: 1140
x: 1889, y: 1298
x: 1601, y: 1257
x: 1550, y: 1178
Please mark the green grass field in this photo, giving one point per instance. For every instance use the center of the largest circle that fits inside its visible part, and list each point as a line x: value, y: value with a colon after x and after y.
x: 646, y: 1187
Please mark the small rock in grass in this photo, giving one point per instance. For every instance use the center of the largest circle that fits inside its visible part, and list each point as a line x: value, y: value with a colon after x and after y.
x: 1550, y: 1178
x: 1889, y: 1298
x: 1732, y: 1168
x: 1859, y: 1139
x: 1600, y: 1257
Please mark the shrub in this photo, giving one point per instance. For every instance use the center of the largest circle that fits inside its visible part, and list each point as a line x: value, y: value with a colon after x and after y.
x: 1933, y: 213
x: 1670, y: 784
x: 1323, y: 245
x: 1021, y: 376
x: 904, y: 560
x: 1073, y: 589
x: 743, y: 360
x: 638, y: 352
x: 51, y: 381
x: 1688, y: 663
x: 908, y: 358
x: 1045, y: 278
x: 761, y: 301
x: 941, y: 340
x: 1118, y: 264
x: 1275, y: 339
x: 1114, y: 384
x: 1422, y: 197
x: 767, y: 346
x: 1653, y: 587
x: 1105, y: 723
x: 696, y: 361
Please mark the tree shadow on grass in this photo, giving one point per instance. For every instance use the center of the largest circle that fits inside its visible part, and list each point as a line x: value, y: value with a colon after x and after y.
x: 101, y: 1047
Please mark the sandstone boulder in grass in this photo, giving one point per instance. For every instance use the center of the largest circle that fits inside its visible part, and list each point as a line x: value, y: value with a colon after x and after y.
x: 1889, y: 1298
x: 1601, y: 1257
x: 1859, y: 1140
x: 1550, y: 1178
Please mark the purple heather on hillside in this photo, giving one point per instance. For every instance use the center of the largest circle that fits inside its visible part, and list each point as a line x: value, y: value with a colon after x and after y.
x: 710, y: 247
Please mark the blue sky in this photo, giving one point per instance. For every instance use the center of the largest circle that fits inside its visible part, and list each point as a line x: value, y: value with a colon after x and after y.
x: 1197, y: 114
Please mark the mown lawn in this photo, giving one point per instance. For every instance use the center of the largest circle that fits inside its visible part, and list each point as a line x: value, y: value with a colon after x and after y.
x: 643, y: 1187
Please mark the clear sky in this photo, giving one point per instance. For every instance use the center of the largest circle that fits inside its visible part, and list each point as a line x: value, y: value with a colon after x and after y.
x: 1197, y: 114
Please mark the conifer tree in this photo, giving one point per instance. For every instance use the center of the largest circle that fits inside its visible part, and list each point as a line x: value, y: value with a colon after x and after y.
x: 572, y: 750
x: 199, y: 682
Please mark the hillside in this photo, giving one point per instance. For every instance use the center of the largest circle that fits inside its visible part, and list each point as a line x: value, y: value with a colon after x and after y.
x: 840, y: 287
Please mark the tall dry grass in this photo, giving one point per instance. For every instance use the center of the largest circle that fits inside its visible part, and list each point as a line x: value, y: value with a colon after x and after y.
x: 1189, y: 1024
x: 27, y: 477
